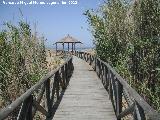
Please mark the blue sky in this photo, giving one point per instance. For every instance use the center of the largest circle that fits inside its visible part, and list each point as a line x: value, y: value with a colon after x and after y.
x: 55, y: 21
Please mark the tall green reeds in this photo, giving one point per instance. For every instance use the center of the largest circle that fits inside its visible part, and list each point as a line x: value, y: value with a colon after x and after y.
x: 22, y: 60
x: 127, y: 35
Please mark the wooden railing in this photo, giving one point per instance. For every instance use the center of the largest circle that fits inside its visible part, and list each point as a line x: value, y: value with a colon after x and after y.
x: 50, y: 89
x: 127, y: 103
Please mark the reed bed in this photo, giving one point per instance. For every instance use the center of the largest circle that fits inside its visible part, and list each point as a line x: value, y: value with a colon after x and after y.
x: 127, y: 36
x: 22, y: 60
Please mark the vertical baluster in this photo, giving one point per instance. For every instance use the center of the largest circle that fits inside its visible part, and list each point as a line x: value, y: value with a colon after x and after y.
x: 48, y: 99
x: 102, y: 74
x: 106, y: 77
x: 53, y: 91
x: 39, y: 97
x: 101, y: 71
x: 110, y: 85
x: 96, y: 65
x: 141, y: 112
x: 90, y: 60
x: 69, y: 67
x: 98, y: 68
x: 60, y: 77
x: 66, y: 73
x: 93, y: 62
x: 57, y: 80
x: 95, y: 68
x: 119, y: 90
x: 87, y: 57
x: 63, y: 77
x: 138, y: 113
x: 29, y: 112
x: 111, y: 90
x: 72, y: 67
x: 114, y: 91
x: 135, y: 113
x: 26, y: 109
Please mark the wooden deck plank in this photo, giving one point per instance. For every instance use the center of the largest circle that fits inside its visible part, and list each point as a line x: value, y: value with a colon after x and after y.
x: 85, y: 97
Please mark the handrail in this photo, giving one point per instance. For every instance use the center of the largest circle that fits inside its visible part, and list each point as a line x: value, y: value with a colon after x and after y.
x: 51, y: 87
x: 119, y: 90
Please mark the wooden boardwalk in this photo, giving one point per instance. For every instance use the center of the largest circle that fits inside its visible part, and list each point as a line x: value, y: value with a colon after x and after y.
x: 85, y: 97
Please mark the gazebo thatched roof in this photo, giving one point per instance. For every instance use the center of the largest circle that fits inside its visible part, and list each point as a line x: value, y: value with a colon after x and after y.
x: 68, y: 39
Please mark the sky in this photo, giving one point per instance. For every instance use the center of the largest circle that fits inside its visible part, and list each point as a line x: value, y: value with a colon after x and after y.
x: 53, y: 21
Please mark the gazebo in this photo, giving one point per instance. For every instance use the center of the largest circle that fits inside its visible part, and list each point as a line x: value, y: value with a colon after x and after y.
x: 68, y: 40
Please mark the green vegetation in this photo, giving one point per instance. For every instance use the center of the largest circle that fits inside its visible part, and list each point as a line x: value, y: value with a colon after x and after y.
x: 22, y: 61
x: 127, y: 35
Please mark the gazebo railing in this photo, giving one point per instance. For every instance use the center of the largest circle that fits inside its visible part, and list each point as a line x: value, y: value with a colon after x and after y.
x: 48, y: 90
x: 120, y: 91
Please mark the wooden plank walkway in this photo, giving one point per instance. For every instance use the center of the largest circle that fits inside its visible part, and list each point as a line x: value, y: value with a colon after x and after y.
x: 85, y: 97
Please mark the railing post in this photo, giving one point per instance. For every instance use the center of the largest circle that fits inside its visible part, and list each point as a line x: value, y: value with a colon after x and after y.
x: 72, y: 67
x: 88, y: 57
x: 57, y: 79
x: 100, y: 71
x: 26, y: 109
x: 63, y: 77
x: 138, y: 113
x: 82, y: 53
x: 95, y: 62
x: 135, y: 113
x: 119, y: 98
x: 97, y: 67
x: 111, y: 90
x: 141, y: 112
x: 39, y: 97
x: 106, y: 77
x: 90, y: 62
x: 48, y: 99
x: 66, y: 73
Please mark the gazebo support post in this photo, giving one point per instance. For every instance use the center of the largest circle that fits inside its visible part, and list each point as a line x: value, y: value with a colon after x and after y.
x: 56, y: 49
x: 68, y: 47
x: 72, y: 48
x: 63, y: 48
